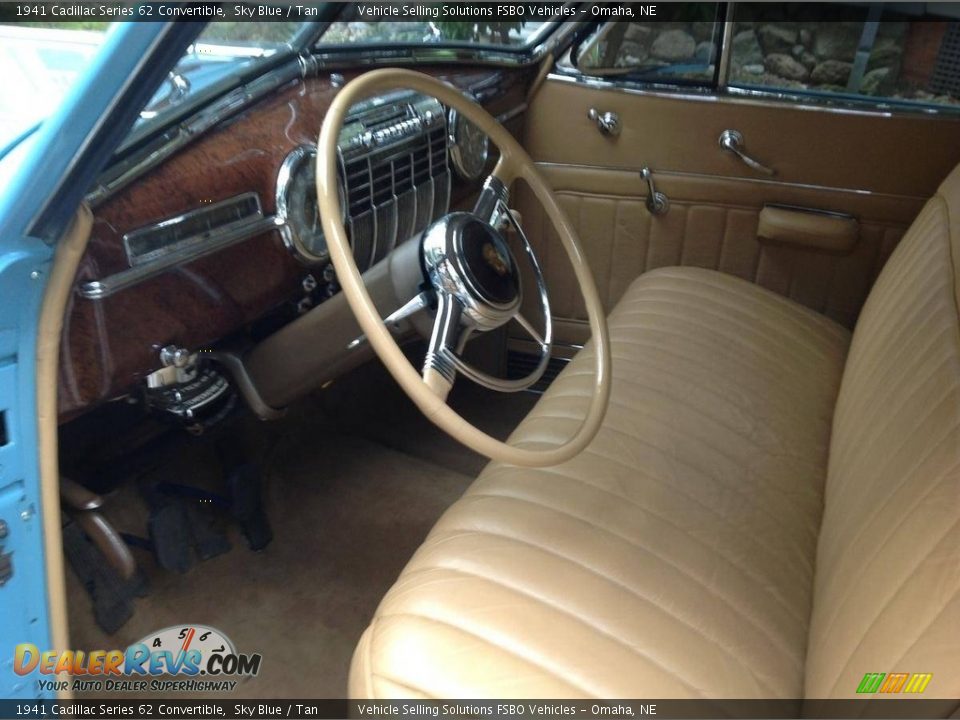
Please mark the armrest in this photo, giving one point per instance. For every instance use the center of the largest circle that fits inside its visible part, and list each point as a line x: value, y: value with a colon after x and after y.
x: 817, y: 230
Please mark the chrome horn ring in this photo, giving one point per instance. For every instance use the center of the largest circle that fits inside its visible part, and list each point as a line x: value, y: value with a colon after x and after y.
x: 480, y: 296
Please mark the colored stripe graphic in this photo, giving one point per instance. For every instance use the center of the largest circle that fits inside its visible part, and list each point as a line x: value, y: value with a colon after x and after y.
x: 894, y: 682
x: 871, y: 682
x: 918, y: 682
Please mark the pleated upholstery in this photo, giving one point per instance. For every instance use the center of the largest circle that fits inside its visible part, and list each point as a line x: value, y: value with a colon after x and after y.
x: 675, y: 556
x: 622, y: 240
x: 888, y: 565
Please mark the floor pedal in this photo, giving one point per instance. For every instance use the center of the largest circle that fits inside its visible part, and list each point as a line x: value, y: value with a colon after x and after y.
x: 243, y: 482
x: 181, y: 532
x: 111, y: 594
x: 170, y: 536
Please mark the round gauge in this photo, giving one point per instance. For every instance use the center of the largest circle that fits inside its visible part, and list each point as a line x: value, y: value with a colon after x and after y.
x: 189, y: 637
x: 469, y: 147
x: 297, y: 205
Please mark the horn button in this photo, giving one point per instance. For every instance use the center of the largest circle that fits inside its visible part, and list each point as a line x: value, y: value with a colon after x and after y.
x: 467, y: 258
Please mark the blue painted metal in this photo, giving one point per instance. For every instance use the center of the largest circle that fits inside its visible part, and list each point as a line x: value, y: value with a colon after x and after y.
x: 37, y: 204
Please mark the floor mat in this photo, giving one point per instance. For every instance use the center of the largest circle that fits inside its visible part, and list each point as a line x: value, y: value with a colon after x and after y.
x: 347, y: 514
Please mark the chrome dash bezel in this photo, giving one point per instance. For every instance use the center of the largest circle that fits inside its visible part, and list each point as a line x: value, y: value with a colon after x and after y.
x: 457, y: 160
x: 183, y: 251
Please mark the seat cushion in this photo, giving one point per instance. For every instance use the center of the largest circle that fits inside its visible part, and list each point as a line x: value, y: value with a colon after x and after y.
x: 672, y: 558
x: 887, y: 594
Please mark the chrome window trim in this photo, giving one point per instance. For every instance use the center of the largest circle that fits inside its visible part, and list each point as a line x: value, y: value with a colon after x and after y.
x: 726, y: 49
x: 756, y: 96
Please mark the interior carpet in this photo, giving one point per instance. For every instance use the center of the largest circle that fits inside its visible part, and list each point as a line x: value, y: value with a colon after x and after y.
x: 347, y: 513
x: 369, y: 402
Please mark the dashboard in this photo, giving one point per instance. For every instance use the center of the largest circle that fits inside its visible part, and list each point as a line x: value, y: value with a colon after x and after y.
x: 221, y: 242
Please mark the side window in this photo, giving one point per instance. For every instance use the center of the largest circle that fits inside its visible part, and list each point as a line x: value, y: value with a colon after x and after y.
x: 865, y: 52
x: 680, y: 44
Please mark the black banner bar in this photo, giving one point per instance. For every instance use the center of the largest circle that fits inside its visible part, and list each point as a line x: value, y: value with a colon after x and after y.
x: 199, y: 709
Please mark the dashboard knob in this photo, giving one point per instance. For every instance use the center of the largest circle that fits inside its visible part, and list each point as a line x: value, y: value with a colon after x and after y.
x: 176, y: 356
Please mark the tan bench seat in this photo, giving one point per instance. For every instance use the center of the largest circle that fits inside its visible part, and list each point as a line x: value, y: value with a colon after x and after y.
x: 760, y: 515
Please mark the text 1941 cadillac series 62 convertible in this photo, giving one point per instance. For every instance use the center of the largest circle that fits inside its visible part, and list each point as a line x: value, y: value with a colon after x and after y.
x: 697, y: 263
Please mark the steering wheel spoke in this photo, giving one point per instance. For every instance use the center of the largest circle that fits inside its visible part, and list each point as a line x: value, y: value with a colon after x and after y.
x: 439, y: 368
x: 531, y: 331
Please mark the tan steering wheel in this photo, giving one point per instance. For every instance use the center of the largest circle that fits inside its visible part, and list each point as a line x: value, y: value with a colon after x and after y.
x: 429, y: 390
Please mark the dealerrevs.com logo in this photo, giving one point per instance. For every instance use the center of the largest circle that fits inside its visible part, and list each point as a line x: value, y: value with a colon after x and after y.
x: 913, y: 683
x: 188, y: 658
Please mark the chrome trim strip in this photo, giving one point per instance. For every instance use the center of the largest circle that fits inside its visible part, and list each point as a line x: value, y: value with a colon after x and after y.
x: 752, y: 97
x: 726, y: 47
x: 183, y: 244
x: 120, y: 175
x: 229, y: 235
x: 340, y: 58
x: 726, y: 178
x: 512, y: 113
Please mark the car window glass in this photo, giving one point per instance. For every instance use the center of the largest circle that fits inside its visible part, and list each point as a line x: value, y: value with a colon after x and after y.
x: 680, y: 45
x: 39, y: 63
x: 888, y: 56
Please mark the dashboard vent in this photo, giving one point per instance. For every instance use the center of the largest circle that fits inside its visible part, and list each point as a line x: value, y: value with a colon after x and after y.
x: 395, y: 173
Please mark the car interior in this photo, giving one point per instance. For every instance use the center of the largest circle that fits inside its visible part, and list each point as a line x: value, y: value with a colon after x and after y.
x: 520, y: 373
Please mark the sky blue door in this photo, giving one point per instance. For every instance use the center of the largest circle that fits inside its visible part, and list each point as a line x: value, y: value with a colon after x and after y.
x: 42, y: 184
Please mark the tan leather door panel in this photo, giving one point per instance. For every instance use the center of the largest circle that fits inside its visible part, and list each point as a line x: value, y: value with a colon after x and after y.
x: 877, y: 168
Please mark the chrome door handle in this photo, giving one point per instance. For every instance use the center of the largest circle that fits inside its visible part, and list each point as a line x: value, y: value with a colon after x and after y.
x: 732, y: 141
x: 607, y: 122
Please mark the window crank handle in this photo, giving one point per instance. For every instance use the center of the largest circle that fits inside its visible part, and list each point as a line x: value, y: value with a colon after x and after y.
x: 732, y: 141
x: 608, y: 123
x: 657, y: 202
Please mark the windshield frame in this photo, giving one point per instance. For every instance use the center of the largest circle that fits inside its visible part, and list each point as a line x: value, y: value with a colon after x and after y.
x: 142, y: 132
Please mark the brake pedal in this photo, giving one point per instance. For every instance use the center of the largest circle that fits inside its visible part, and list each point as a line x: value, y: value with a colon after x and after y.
x: 170, y: 536
x: 243, y: 482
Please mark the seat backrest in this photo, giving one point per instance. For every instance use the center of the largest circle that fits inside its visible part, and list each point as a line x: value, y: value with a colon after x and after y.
x: 887, y: 587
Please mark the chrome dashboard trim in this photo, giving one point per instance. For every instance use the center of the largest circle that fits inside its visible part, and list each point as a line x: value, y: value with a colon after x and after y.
x: 289, y: 166
x: 198, y: 247
x: 753, y: 97
x: 405, y: 55
x: 137, y: 256
x: 457, y: 160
